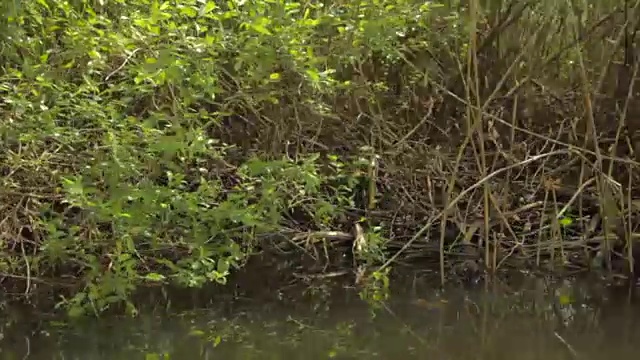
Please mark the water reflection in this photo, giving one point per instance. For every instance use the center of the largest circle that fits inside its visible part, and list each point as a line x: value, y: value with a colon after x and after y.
x: 538, y: 319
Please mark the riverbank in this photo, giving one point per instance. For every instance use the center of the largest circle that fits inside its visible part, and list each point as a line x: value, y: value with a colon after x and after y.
x: 166, y: 143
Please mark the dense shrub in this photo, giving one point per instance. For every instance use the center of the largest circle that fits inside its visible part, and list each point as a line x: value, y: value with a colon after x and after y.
x: 158, y: 141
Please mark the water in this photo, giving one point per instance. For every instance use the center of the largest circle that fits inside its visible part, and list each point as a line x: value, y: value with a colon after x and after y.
x: 537, y: 319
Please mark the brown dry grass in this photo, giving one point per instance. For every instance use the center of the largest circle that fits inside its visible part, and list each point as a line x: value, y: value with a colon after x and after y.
x: 526, y: 128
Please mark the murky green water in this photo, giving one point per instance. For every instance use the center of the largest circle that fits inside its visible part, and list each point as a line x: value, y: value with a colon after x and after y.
x: 537, y: 319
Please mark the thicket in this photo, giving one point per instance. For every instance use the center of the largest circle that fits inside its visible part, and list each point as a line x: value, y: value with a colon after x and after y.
x: 167, y: 141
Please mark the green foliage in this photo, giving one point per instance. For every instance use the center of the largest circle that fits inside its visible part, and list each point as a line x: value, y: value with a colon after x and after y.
x: 153, y: 141
x: 111, y: 122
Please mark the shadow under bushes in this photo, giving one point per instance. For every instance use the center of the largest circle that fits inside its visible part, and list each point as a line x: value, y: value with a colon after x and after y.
x: 163, y: 143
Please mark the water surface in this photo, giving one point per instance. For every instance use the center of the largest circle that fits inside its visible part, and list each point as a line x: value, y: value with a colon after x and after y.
x: 537, y: 319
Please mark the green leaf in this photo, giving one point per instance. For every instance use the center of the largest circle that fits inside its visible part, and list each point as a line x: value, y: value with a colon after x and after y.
x: 313, y: 74
x: 189, y: 11
x: 260, y: 26
x: 223, y: 266
x: 207, y: 8
x: 261, y: 29
x: 43, y: 3
x: 196, y: 332
x: 564, y: 299
x: 565, y: 221
x: 217, y: 340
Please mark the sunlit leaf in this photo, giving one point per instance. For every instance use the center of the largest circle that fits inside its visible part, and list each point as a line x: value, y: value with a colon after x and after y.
x: 564, y: 299
x: 217, y: 340
x: 208, y: 7
x: 566, y: 221
x: 261, y: 29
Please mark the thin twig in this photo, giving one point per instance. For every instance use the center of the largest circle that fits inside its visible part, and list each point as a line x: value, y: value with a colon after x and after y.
x: 123, y: 64
x: 461, y: 195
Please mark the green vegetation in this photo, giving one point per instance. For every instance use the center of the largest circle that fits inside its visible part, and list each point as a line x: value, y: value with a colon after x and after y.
x: 166, y: 141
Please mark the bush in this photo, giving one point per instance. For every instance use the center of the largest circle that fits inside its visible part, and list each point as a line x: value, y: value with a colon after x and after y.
x: 152, y: 141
